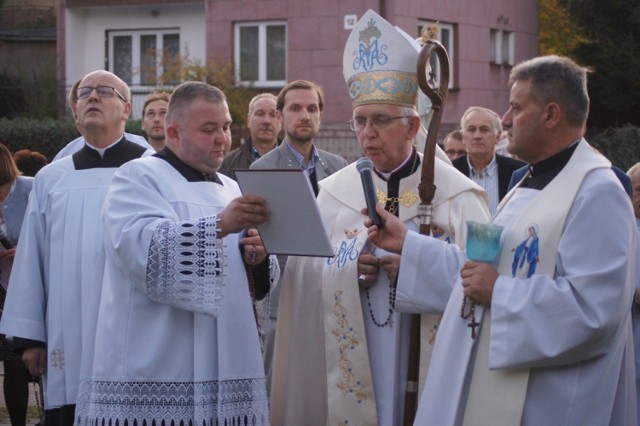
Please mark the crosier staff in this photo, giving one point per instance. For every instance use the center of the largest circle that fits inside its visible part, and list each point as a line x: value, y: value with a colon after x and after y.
x: 426, y: 190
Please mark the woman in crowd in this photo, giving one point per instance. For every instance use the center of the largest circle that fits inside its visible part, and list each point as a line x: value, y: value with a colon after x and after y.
x: 14, y: 194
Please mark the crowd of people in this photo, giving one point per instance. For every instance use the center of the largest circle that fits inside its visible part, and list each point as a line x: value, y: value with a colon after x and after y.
x: 136, y: 286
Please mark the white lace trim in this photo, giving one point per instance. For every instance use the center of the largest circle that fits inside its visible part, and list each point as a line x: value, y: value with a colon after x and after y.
x: 185, y: 266
x: 227, y: 402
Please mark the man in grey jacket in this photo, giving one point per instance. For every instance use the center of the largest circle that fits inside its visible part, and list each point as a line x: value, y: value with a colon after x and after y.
x: 301, y: 104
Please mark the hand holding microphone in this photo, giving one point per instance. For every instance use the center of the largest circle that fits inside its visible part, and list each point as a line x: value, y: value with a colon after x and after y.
x: 365, y: 168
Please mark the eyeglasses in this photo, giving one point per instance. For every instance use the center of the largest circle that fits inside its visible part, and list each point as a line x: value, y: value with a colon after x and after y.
x: 102, y: 91
x: 458, y: 153
x: 379, y: 121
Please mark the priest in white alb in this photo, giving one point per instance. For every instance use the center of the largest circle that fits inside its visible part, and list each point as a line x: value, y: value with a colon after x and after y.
x: 342, y: 345
x: 52, y: 303
x: 544, y: 347
x: 176, y: 339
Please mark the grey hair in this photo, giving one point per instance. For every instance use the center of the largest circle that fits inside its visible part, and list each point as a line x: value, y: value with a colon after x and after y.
x: 259, y: 96
x: 633, y: 169
x: 497, y: 121
x: 556, y: 79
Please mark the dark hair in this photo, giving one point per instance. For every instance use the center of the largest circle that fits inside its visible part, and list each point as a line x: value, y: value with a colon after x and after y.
x: 185, y: 93
x: 29, y: 162
x: 300, y: 84
x: 8, y: 169
x: 556, y: 79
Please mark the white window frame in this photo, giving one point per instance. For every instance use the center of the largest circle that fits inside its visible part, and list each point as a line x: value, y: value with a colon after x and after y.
x: 262, y: 48
x: 447, y: 38
x: 135, y: 51
x: 502, y: 47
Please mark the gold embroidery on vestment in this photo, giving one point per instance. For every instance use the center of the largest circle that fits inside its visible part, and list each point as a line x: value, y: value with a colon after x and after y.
x: 407, y: 198
x: 347, y: 340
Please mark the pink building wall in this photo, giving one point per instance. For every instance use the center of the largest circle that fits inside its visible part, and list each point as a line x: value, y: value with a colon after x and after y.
x: 316, y: 38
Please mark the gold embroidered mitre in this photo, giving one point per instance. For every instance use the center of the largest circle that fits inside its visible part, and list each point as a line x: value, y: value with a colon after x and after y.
x: 380, y: 63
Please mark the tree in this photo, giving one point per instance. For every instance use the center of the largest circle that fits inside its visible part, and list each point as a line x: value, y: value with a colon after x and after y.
x: 559, y: 33
x: 611, y: 49
x: 217, y: 72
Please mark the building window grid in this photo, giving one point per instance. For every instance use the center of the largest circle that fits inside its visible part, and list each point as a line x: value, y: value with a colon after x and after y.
x: 446, y: 37
x: 261, y: 53
x: 137, y: 56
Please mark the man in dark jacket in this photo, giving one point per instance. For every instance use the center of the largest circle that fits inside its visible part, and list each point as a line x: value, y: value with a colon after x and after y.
x: 481, y: 129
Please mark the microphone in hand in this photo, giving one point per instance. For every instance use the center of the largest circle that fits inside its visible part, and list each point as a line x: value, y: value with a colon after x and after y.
x: 5, y: 241
x: 365, y: 168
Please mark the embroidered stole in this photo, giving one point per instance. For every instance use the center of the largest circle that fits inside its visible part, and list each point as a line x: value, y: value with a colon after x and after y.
x: 496, y: 397
x: 351, y: 396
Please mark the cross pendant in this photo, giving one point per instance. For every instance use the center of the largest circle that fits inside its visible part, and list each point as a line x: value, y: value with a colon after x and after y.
x: 473, y: 324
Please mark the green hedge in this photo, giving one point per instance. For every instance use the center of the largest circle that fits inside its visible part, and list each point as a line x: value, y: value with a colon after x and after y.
x: 46, y: 136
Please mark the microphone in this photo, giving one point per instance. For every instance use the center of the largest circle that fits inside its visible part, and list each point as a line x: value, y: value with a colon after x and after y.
x: 365, y: 167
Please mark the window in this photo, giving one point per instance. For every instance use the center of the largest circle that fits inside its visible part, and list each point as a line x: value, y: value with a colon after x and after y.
x: 261, y: 53
x: 142, y: 58
x: 445, y: 37
x: 502, y: 47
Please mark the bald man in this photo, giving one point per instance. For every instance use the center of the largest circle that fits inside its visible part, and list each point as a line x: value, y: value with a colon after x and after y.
x: 51, y: 308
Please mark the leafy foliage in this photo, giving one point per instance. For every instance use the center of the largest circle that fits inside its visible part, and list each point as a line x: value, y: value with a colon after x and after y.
x: 218, y: 72
x: 612, y: 50
x: 46, y: 136
x: 620, y: 145
x: 559, y: 33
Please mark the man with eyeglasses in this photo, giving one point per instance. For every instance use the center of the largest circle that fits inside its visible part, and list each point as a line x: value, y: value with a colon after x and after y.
x: 342, y: 343
x: 79, y: 142
x: 52, y: 306
x: 453, y: 145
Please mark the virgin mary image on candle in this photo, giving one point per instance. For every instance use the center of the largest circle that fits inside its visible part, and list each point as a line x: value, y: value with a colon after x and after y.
x: 525, y: 258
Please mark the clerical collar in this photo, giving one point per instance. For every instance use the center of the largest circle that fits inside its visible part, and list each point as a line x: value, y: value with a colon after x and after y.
x: 188, y: 172
x: 115, y: 155
x: 407, y: 168
x: 101, y: 151
x: 543, y: 172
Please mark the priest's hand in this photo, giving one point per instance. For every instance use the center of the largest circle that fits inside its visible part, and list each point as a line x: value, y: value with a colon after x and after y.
x: 9, y: 253
x: 254, y: 251
x: 243, y: 212
x: 35, y: 359
x: 391, y: 236
x: 478, y: 280
x: 391, y: 265
x: 368, y: 266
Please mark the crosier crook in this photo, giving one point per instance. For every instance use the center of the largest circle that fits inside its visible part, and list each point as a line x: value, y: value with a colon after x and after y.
x: 426, y: 190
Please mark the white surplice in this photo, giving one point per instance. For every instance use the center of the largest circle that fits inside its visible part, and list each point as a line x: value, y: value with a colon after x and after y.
x: 572, y: 330
x: 57, y: 272
x: 176, y: 338
x: 316, y: 378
